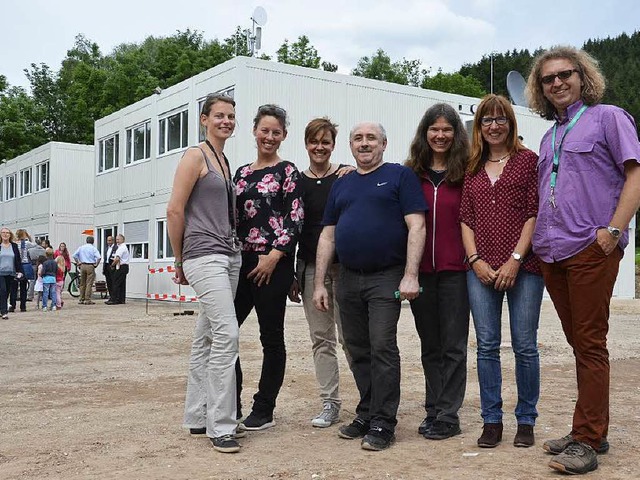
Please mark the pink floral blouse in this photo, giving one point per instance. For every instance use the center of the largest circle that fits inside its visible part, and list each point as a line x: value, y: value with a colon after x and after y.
x: 270, y: 207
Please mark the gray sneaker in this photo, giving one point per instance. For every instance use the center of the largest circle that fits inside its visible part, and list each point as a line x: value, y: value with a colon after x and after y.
x: 558, y: 445
x: 578, y: 458
x: 330, y: 414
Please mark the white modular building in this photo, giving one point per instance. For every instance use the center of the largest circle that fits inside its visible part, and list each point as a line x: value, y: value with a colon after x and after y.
x: 138, y: 147
x: 49, y: 192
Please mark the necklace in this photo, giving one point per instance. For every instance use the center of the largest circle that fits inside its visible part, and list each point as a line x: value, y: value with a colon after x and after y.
x: 499, y: 160
x: 320, y: 177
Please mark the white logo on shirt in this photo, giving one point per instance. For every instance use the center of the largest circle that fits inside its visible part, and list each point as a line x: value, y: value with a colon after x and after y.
x: 381, y: 184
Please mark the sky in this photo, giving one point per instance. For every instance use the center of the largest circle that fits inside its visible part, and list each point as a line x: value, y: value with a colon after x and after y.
x: 441, y: 34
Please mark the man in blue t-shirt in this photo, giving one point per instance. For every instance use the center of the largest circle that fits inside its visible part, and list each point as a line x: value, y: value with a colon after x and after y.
x: 374, y: 221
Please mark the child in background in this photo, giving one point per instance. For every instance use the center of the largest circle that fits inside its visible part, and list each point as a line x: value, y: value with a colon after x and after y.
x: 60, y: 261
x: 37, y: 289
x: 49, y: 269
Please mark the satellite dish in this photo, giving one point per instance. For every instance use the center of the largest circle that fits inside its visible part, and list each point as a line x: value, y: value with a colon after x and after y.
x: 259, y: 16
x: 515, y: 87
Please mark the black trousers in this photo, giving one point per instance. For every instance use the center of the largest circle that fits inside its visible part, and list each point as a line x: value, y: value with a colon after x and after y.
x: 270, y: 302
x: 109, y: 279
x: 441, y: 315
x: 369, y: 313
x: 119, y: 284
x: 22, y: 285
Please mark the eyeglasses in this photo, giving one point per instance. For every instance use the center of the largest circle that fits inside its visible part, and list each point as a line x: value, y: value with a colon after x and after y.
x: 563, y: 75
x: 487, y: 121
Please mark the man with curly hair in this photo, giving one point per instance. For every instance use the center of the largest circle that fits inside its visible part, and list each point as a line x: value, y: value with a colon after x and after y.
x: 589, y: 186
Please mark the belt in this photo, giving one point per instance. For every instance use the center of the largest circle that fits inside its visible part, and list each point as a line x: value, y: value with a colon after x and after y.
x: 363, y: 271
x: 83, y: 263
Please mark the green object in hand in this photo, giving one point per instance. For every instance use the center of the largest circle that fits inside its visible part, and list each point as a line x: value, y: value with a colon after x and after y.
x: 396, y: 294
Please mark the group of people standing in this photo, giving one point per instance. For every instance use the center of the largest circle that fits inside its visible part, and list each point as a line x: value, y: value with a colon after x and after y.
x: 30, y: 269
x: 459, y: 227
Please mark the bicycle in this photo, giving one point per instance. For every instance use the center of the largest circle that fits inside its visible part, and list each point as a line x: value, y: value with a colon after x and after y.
x: 74, y: 282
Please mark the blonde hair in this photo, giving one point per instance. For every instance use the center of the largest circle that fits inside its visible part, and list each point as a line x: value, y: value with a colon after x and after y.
x: 593, y: 82
x: 60, y: 262
x: 49, y: 252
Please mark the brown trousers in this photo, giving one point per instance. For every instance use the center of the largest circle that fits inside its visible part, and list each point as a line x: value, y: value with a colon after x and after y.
x: 87, y: 276
x: 581, y: 287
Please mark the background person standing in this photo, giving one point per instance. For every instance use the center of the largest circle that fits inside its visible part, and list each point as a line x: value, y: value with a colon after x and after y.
x: 119, y: 270
x: 89, y: 258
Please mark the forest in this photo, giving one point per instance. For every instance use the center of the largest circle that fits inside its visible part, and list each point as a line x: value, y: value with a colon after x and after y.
x: 62, y: 105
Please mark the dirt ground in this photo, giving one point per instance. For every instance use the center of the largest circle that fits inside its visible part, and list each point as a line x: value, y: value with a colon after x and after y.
x: 96, y: 392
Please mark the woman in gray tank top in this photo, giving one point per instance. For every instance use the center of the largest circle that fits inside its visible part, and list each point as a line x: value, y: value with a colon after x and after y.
x: 202, y: 229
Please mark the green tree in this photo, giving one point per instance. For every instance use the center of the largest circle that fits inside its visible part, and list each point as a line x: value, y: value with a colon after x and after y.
x: 380, y: 67
x: 21, y: 129
x: 300, y: 53
x: 454, y: 83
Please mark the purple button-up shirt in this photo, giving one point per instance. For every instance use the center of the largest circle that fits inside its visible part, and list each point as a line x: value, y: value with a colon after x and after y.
x: 590, y: 179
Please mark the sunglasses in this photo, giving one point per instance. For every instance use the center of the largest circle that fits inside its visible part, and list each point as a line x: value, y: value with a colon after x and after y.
x: 487, y: 121
x: 270, y: 109
x: 563, y: 75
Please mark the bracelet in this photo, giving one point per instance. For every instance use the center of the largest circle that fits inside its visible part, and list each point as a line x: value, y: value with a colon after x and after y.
x: 177, y: 264
x: 474, y: 260
x: 472, y: 256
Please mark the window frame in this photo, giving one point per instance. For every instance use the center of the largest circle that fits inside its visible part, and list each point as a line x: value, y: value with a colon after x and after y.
x: 29, y: 190
x: 164, y: 134
x: 10, y: 192
x: 130, y: 150
x: 145, y: 252
x: 101, y: 238
x: 165, y: 241
x: 101, y: 152
x: 38, y: 176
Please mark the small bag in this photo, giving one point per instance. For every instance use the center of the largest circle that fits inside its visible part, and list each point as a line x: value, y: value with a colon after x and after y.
x: 29, y: 273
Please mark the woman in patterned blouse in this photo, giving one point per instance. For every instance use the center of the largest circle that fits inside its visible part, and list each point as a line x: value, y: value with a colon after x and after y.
x: 270, y: 215
x: 498, y: 215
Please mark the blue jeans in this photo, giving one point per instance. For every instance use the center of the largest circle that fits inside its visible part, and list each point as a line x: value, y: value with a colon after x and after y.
x: 49, y: 292
x: 524, y: 300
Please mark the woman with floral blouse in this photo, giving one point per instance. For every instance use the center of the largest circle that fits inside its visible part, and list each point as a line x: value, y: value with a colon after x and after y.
x: 270, y: 215
x: 498, y: 216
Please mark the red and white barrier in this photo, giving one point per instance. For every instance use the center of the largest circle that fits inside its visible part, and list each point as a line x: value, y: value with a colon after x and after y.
x: 166, y: 297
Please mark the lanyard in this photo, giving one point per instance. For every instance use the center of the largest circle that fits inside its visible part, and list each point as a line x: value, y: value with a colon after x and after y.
x: 227, y: 183
x: 558, y: 148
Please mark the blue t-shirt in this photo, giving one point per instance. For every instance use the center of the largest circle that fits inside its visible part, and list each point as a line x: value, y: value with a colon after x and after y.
x: 368, y: 212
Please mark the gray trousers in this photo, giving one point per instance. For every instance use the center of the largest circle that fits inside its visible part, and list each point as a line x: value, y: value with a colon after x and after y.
x: 325, y: 330
x: 370, y: 315
x: 211, y: 384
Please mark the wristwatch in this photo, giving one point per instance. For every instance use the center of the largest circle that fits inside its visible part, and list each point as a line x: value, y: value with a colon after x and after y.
x: 517, y: 256
x: 615, y: 232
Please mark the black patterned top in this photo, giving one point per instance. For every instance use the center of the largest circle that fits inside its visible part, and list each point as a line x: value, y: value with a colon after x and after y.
x: 270, y: 207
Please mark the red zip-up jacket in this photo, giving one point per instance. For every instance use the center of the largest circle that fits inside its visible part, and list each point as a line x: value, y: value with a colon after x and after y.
x: 443, y: 249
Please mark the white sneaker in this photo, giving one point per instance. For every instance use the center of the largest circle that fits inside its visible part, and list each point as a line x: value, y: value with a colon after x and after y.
x: 330, y: 414
x: 44, y: 309
x: 5, y: 316
x: 54, y: 308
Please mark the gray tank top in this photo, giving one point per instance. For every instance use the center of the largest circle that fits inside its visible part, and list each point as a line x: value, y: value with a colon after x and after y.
x: 206, y: 217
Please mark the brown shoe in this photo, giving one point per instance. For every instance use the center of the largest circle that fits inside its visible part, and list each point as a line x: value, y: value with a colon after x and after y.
x: 491, y: 435
x: 524, y: 436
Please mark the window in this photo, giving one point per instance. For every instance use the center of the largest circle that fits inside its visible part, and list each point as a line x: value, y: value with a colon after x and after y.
x: 137, y: 239
x: 202, y: 132
x: 108, y: 153
x: 1, y: 190
x: 174, y: 132
x: 10, y: 187
x: 138, y: 142
x: 101, y: 239
x: 163, y: 245
x: 25, y: 182
x: 42, y: 176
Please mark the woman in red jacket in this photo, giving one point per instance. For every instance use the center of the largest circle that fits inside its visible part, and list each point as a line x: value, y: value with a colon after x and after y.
x: 438, y: 155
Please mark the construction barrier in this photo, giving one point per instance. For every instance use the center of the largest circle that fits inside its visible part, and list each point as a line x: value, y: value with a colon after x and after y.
x: 168, y: 297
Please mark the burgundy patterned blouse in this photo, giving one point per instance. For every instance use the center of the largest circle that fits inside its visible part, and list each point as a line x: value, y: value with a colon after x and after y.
x: 496, y: 213
x: 270, y: 209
